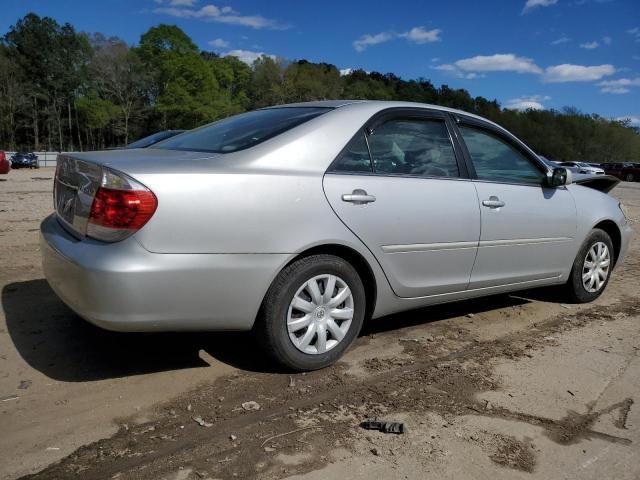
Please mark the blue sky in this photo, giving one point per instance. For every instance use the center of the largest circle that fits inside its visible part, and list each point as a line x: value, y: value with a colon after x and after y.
x: 535, y: 53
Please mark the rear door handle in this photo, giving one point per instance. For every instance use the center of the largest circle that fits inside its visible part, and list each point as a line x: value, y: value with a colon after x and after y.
x: 493, y: 202
x: 358, y: 197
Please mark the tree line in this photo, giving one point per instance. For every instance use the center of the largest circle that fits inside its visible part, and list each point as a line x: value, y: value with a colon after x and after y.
x: 61, y: 89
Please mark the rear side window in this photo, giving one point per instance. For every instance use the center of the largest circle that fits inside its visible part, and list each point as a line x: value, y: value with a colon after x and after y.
x: 242, y: 131
x: 413, y: 147
x: 496, y: 160
x: 355, y: 158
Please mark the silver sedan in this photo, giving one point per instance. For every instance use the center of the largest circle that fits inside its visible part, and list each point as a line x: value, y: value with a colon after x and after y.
x: 301, y: 221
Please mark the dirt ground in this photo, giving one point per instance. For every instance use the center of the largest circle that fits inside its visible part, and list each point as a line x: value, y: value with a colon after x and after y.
x: 512, y: 386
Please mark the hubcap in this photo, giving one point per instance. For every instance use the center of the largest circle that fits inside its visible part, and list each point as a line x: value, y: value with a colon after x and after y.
x: 320, y: 314
x: 596, y: 267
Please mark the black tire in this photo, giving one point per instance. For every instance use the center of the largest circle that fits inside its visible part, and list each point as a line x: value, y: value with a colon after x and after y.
x: 575, y: 289
x: 629, y: 177
x: 271, y: 325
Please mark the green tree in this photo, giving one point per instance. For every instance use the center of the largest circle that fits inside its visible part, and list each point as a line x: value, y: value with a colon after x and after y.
x: 119, y: 76
x: 267, y: 87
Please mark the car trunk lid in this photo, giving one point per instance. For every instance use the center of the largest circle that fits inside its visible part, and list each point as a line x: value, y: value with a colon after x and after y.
x: 79, y: 175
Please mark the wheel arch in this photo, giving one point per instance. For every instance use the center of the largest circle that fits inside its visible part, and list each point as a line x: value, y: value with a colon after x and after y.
x: 612, y: 229
x: 356, y: 260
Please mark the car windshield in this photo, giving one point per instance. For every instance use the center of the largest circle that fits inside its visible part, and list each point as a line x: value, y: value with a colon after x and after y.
x: 242, y: 131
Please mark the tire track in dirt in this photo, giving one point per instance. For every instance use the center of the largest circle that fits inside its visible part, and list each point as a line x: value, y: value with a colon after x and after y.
x: 334, y: 401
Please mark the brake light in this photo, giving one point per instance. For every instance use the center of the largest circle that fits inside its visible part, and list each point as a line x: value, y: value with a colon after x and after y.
x: 122, y: 209
x: 121, y: 206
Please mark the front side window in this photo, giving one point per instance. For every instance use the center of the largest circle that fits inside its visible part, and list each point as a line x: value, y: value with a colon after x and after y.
x: 496, y: 160
x: 242, y: 131
x: 413, y: 147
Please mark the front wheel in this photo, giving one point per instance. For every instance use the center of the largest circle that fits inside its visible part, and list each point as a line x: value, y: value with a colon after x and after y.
x: 591, y: 268
x: 312, y: 312
x: 629, y: 177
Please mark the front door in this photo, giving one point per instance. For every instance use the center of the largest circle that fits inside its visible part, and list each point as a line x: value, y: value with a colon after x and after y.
x: 527, y: 228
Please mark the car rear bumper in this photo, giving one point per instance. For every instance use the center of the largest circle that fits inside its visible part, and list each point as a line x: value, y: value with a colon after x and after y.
x: 121, y: 286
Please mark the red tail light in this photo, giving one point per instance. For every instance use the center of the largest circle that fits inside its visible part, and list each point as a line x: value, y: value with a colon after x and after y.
x: 121, y: 206
x: 122, y: 209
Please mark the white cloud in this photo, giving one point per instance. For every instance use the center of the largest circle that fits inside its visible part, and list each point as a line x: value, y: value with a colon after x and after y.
x: 416, y: 35
x: 576, y: 73
x: 590, y: 45
x: 500, y: 62
x: 473, y: 67
x: 527, y: 103
x: 219, y: 43
x: 247, y: 56
x: 560, y: 40
x: 531, y: 4
x: 346, y: 71
x: 211, y: 13
x: 619, y: 86
x: 420, y: 35
x: 635, y: 33
x: 452, y: 69
x: 367, y: 40
x: 607, y: 40
x: 634, y: 120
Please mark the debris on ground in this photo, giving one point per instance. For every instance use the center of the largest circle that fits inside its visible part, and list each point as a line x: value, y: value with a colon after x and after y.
x: 251, y: 405
x: 200, y: 421
x: 24, y: 384
x: 383, y: 426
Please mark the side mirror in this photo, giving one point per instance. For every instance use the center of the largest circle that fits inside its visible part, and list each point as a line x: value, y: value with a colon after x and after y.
x: 559, y: 176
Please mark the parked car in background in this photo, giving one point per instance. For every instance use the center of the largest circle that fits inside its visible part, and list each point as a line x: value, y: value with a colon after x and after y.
x: 154, y: 138
x: 24, y: 160
x: 301, y: 221
x: 581, y: 167
x: 5, y: 165
x: 629, y: 172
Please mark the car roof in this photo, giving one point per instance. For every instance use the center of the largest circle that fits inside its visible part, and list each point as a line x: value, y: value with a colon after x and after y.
x: 381, y: 105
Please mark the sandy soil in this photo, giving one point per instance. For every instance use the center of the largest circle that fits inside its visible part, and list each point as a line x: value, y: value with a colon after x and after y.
x: 512, y: 386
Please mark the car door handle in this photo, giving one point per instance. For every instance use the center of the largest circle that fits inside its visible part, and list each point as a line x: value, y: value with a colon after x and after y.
x: 493, y: 202
x: 358, y: 197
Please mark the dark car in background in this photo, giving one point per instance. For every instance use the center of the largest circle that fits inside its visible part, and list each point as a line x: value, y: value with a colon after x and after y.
x: 24, y: 160
x: 624, y: 171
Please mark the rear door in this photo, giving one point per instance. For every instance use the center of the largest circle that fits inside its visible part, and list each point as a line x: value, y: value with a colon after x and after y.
x: 527, y: 227
x: 399, y: 186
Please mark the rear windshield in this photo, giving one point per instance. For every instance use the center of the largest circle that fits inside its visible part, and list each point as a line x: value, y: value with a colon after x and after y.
x: 242, y: 131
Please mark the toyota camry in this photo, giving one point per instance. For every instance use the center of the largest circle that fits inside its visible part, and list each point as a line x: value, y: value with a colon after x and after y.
x: 302, y: 221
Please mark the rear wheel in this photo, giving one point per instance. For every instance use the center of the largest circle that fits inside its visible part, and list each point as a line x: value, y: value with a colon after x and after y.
x: 629, y: 177
x: 591, y: 268
x: 312, y: 312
